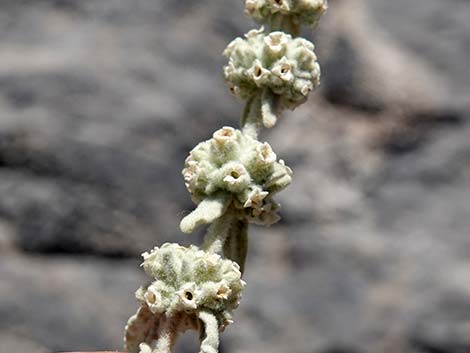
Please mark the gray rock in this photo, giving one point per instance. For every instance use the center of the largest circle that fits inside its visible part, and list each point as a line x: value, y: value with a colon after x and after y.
x: 100, y: 102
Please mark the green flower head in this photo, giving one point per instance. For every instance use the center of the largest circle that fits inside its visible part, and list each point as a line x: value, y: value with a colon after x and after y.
x: 286, y: 67
x: 242, y: 169
x: 297, y: 12
x: 187, y: 279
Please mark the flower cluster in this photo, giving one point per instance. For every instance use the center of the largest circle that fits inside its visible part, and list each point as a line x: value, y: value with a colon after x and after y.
x: 188, y: 280
x: 187, y: 284
x: 306, y: 12
x: 241, y: 167
x: 285, y: 66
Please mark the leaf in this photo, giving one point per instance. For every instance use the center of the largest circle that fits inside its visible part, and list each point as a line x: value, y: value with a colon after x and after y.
x: 268, y: 108
x: 206, y: 212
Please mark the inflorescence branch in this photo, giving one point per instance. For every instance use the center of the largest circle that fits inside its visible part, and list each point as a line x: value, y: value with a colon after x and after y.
x: 232, y: 178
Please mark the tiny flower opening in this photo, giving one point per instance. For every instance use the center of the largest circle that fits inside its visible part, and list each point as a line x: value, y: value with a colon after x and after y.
x: 275, y: 38
x: 224, y: 291
x: 234, y: 90
x: 276, y: 42
x: 235, y: 174
x: 224, y: 134
x: 188, y: 295
x: 266, y: 154
x: 150, y: 297
x: 280, y: 5
x: 213, y: 260
x: 306, y: 89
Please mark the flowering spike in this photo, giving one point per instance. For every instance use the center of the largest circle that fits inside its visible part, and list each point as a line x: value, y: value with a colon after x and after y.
x: 232, y: 178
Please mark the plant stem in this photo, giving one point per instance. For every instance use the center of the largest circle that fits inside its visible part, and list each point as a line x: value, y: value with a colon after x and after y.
x: 276, y: 22
x: 218, y: 232
x: 167, y: 334
x: 236, y: 245
x: 250, y: 121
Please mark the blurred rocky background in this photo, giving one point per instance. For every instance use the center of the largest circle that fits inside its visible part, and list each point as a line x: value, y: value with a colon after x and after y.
x: 101, y: 100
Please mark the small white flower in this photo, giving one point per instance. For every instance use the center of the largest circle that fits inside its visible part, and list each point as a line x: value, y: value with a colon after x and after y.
x: 279, y: 5
x: 258, y: 73
x: 225, y: 134
x: 236, y: 174
x: 191, y: 172
x: 235, y: 90
x: 314, y: 4
x: 309, y: 3
x: 276, y: 42
x: 188, y: 295
x: 255, y: 198
x: 265, y: 153
x: 307, y: 88
x: 153, y: 298
x: 212, y: 260
x: 232, y: 45
x: 223, y: 291
x: 250, y: 6
x: 283, y: 70
x: 304, y: 43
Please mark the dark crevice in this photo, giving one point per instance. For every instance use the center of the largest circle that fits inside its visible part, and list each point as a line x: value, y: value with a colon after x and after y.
x: 419, y: 127
x: 440, y: 347
x: 340, y: 349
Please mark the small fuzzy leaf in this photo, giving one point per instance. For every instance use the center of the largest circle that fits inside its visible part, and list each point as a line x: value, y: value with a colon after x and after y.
x: 209, y: 333
x: 206, y: 212
x: 268, y: 108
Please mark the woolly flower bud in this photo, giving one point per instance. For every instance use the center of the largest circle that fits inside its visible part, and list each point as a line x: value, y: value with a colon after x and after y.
x: 299, y: 12
x: 286, y: 66
x: 243, y: 169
